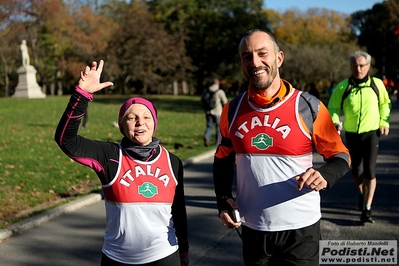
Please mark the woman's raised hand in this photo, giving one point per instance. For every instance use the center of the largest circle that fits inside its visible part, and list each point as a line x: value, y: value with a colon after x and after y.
x: 90, y: 78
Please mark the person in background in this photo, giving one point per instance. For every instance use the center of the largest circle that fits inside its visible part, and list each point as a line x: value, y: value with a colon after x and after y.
x: 391, y: 87
x: 389, y: 84
x: 314, y: 91
x: 366, y: 118
x: 141, y: 180
x: 385, y: 81
x: 212, y: 115
x: 267, y: 135
x: 396, y: 88
x: 331, y: 88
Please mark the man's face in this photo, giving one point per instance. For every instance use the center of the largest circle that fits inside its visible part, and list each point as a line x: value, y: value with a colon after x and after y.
x: 360, y: 68
x: 259, y: 60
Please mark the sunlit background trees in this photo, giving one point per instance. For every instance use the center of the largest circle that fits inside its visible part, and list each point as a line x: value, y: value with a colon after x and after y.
x: 176, y: 46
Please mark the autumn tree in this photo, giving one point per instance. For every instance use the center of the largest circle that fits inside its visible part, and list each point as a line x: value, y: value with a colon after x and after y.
x: 10, y: 60
x: 316, y: 43
x: 12, y: 31
x: 71, y: 39
x: 144, y: 56
x: 35, y: 16
x: 148, y: 45
x: 213, y: 30
x: 62, y: 39
x: 376, y: 30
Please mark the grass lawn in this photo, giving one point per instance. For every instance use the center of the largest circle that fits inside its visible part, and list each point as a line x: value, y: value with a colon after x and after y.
x: 35, y: 172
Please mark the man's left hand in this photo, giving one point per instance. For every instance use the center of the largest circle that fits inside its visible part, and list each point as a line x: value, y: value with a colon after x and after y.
x: 311, y: 178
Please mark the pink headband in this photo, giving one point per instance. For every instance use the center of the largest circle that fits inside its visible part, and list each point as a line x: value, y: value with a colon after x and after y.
x: 137, y: 100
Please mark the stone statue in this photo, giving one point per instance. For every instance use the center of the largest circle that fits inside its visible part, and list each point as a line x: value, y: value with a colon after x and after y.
x: 27, y: 84
x: 25, y: 54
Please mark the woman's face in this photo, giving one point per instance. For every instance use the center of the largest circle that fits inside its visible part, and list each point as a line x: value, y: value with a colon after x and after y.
x: 138, y: 124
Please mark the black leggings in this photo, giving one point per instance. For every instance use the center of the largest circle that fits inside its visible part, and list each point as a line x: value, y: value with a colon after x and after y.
x: 363, y: 149
x: 171, y: 260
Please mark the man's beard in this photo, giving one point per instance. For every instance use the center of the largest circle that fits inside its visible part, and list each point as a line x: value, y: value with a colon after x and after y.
x: 263, y: 84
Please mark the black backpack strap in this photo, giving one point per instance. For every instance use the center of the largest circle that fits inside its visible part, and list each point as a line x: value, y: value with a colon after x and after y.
x: 346, y: 92
x: 351, y: 86
x: 375, y: 89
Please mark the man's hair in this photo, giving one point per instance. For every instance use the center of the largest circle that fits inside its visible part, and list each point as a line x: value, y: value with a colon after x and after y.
x: 357, y: 54
x: 251, y: 32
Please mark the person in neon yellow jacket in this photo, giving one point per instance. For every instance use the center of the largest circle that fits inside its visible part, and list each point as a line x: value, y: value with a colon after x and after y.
x: 366, y: 118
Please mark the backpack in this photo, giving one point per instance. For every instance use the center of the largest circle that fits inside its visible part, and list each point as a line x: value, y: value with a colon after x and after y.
x: 208, y: 100
x: 351, y: 86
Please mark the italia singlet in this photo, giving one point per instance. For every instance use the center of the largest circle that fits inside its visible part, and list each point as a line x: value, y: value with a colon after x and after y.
x: 139, y: 227
x: 272, y: 148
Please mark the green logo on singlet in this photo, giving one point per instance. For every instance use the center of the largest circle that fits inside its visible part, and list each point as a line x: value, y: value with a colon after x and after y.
x: 148, y: 190
x: 262, y: 141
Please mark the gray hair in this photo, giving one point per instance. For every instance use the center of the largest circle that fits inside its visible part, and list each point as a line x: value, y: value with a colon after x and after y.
x: 357, y: 54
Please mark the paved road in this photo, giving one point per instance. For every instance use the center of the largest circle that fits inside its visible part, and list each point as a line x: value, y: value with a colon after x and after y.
x: 73, y: 234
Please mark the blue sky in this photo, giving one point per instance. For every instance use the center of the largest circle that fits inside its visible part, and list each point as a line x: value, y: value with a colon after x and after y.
x: 345, y: 6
